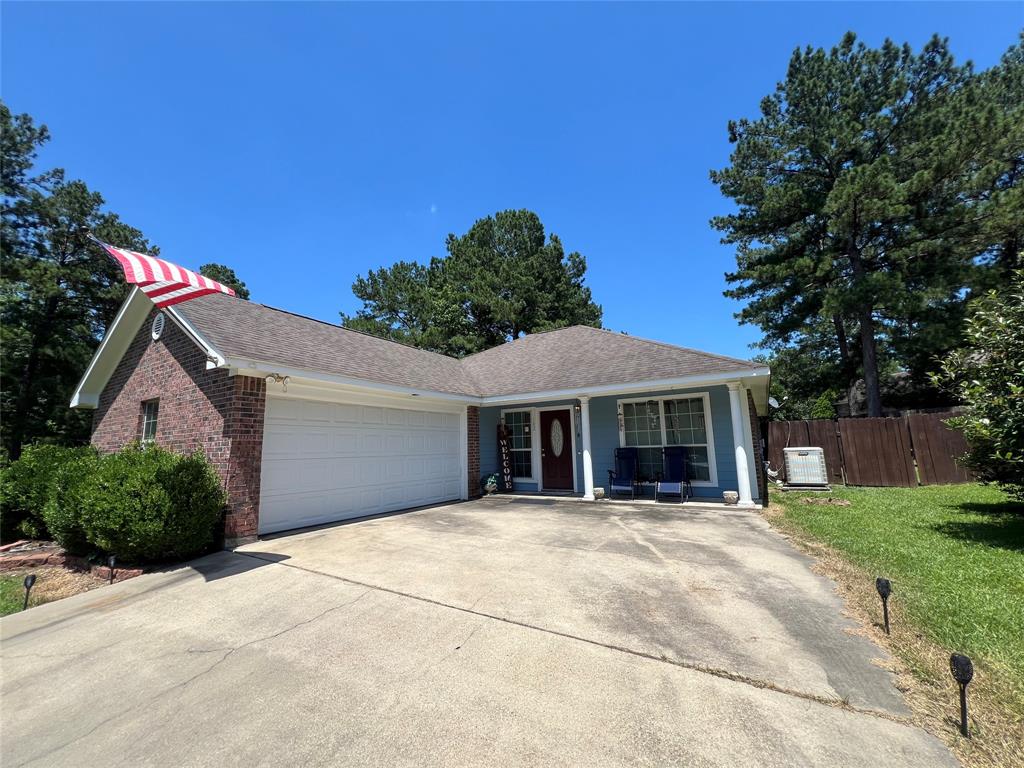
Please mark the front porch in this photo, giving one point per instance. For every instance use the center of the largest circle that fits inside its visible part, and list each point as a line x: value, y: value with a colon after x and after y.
x: 566, y: 447
x: 556, y: 497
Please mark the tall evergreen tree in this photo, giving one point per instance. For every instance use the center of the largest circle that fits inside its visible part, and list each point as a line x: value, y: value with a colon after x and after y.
x: 58, y: 291
x: 868, y: 193
x: 503, y: 278
x: 225, y: 276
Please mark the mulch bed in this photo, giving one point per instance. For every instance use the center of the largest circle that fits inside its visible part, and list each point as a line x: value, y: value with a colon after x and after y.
x: 25, y: 554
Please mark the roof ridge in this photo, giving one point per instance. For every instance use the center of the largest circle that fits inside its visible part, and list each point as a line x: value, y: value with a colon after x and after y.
x: 671, y: 346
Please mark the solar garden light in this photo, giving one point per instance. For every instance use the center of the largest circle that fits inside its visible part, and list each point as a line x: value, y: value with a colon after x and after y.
x: 963, y: 671
x: 884, y: 587
x: 29, y: 581
x: 110, y: 565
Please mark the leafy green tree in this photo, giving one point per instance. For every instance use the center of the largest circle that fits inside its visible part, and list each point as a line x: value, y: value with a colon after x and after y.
x: 58, y: 290
x: 503, y: 278
x: 870, y: 191
x: 225, y: 276
x: 824, y: 407
x: 988, y: 376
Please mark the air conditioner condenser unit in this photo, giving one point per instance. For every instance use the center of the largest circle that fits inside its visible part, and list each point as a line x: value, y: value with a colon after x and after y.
x: 805, y: 468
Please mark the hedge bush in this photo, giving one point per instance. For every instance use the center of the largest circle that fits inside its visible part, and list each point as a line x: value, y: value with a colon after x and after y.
x: 146, y: 504
x: 25, y: 487
x: 62, y: 512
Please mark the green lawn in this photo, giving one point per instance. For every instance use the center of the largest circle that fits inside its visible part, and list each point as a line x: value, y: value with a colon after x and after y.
x: 954, y: 553
x: 12, y: 594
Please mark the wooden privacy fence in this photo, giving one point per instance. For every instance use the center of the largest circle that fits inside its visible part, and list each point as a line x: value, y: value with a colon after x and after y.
x: 895, y: 451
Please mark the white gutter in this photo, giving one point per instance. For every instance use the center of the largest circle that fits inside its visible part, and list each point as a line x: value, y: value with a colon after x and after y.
x: 250, y: 367
x: 679, y: 382
x: 247, y: 367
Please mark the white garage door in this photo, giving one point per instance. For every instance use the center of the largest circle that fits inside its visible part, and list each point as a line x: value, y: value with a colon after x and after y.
x: 332, y: 461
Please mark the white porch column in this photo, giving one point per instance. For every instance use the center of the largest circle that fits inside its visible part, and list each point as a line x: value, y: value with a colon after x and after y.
x: 588, y: 464
x: 742, y: 465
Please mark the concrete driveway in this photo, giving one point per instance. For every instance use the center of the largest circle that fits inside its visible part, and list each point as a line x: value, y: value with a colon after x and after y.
x: 525, y: 631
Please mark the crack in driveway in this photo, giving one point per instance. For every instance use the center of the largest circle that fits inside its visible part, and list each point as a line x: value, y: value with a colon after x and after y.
x: 683, y: 664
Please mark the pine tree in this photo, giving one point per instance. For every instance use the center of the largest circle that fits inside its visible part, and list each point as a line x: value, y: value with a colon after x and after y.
x: 869, y: 191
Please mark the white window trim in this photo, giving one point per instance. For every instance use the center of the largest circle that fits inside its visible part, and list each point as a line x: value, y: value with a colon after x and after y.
x: 706, y: 397
x: 534, y: 451
x: 535, y: 462
x: 145, y: 407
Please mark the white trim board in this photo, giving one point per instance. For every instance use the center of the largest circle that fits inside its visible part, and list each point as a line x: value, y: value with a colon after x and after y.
x: 258, y: 368
x: 655, y: 385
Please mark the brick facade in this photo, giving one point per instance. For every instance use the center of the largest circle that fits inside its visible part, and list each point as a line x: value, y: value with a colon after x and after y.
x: 473, y: 448
x: 201, y: 409
x: 758, y: 457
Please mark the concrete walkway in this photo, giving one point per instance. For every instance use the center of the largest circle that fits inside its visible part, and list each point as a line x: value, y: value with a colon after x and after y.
x: 500, y: 631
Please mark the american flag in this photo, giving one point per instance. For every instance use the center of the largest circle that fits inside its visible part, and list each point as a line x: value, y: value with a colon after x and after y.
x: 163, y: 282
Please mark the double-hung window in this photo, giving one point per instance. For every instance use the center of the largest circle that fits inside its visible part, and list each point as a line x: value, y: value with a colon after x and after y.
x: 649, y: 425
x: 521, y: 443
x: 150, y: 411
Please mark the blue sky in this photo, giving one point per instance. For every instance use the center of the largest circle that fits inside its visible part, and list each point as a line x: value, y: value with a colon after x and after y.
x: 304, y: 144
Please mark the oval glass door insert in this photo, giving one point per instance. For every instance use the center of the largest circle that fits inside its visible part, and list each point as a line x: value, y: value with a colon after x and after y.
x: 557, y: 438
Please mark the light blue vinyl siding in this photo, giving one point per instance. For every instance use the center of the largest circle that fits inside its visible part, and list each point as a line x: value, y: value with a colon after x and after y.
x: 604, y: 438
x: 489, y: 441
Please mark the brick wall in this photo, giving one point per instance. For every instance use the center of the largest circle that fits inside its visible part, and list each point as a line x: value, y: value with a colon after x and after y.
x: 473, y: 446
x: 202, y: 409
x: 758, y: 457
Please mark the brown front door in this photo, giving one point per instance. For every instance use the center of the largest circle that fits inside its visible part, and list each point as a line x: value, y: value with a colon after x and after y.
x: 556, y: 450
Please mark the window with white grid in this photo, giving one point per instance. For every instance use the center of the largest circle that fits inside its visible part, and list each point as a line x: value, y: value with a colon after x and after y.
x: 150, y: 411
x: 520, y: 443
x: 650, y: 425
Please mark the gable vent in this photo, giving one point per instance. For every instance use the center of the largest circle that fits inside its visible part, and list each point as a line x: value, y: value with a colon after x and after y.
x: 158, y: 325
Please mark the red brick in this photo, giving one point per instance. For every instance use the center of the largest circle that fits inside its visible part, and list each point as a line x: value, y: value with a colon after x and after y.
x: 200, y: 409
x: 473, y: 448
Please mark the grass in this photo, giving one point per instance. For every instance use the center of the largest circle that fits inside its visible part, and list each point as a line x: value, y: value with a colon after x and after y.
x: 52, y: 583
x: 955, y: 556
x: 12, y: 594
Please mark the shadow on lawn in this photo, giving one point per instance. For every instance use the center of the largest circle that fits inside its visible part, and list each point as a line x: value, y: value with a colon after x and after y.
x: 1003, y: 526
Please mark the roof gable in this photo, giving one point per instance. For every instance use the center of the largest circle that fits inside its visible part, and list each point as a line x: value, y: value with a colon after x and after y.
x: 120, y: 334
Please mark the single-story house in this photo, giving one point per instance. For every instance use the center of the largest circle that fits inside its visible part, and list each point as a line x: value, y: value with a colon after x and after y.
x: 309, y: 422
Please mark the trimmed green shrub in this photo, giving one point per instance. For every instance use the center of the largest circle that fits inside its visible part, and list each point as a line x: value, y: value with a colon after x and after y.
x: 62, y: 512
x: 25, y: 486
x: 146, y: 504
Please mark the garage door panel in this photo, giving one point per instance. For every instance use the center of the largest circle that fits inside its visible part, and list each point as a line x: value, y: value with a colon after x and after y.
x: 331, y: 461
x: 345, y: 442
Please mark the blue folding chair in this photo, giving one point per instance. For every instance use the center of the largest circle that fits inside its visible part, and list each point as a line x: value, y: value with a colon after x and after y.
x: 623, y: 479
x: 673, y: 479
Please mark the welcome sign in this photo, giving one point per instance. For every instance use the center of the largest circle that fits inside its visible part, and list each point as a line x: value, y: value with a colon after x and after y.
x: 505, y: 457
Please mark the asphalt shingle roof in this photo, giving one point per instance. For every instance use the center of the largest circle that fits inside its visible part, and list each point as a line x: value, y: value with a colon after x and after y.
x: 246, y: 330
x: 581, y: 356
x: 569, y: 358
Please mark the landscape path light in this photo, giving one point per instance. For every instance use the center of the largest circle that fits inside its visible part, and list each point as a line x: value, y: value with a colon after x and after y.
x: 884, y: 587
x: 963, y: 672
x: 29, y: 581
x: 110, y: 566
